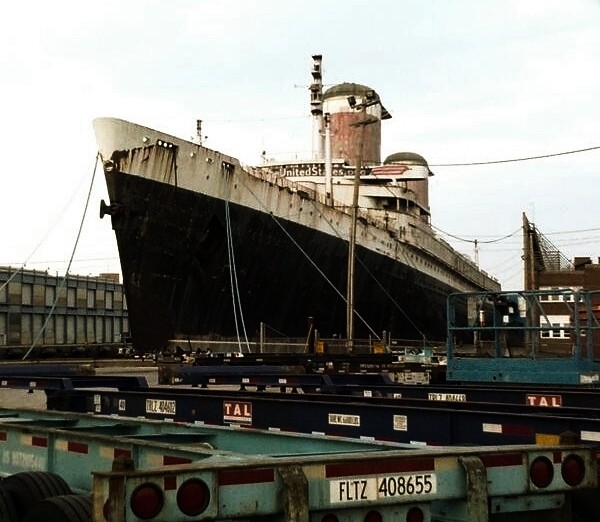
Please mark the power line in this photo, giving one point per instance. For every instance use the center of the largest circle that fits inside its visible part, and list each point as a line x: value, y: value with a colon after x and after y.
x: 259, y: 119
x: 476, y: 240
x: 84, y: 260
x: 572, y: 231
x: 514, y: 159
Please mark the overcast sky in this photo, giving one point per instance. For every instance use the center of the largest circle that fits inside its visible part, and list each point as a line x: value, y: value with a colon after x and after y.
x: 466, y: 81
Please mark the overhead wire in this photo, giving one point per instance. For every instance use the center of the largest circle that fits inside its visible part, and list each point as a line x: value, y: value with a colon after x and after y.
x: 41, y: 242
x: 477, y: 241
x: 63, y: 280
x: 512, y: 160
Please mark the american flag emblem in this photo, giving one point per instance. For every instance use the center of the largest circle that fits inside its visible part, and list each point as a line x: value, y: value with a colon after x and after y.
x: 399, y: 170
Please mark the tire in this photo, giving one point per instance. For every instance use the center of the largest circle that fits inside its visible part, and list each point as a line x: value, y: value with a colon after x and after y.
x: 28, y: 487
x: 62, y: 508
x: 8, y: 513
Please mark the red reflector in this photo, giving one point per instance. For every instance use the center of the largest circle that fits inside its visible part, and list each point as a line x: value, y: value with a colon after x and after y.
x: 541, y: 472
x: 329, y: 517
x: 171, y: 460
x: 106, y: 509
x: 42, y: 442
x: 373, y: 516
x: 147, y: 501
x: 415, y: 514
x: 573, y: 470
x: 77, y: 447
x: 193, y: 497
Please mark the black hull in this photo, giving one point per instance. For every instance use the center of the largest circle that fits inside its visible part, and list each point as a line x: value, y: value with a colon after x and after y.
x: 174, y: 256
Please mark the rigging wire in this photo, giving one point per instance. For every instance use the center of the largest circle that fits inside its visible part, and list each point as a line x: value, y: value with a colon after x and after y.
x: 382, y: 288
x: 235, y: 289
x: 274, y: 330
x: 231, y: 283
x: 63, y: 280
x: 377, y: 282
x: 41, y: 242
x: 305, y: 254
x: 396, y: 304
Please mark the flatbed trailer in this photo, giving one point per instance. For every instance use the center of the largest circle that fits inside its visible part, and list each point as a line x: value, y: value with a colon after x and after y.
x: 100, y: 468
x: 430, y: 415
x: 383, y: 385
x: 379, y: 418
x: 273, y: 379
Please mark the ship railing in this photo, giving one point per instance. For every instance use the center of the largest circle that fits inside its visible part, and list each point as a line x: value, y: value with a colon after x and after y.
x: 364, y: 215
x: 302, y: 189
x: 433, y: 244
x: 300, y: 345
x: 421, y: 238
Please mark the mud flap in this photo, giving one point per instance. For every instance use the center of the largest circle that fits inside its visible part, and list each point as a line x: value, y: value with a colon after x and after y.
x: 477, y: 493
x: 295, y: 493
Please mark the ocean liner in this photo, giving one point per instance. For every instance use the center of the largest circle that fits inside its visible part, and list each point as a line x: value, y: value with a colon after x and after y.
x: 212, y: 248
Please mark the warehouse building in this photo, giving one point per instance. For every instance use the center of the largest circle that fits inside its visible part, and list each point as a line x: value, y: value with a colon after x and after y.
x: 43, y: 310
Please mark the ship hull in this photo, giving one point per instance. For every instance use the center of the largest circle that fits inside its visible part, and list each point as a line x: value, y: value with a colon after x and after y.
x: 215, y: 253
x: 178, y: 282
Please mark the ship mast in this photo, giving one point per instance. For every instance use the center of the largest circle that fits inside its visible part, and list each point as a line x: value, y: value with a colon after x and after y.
x: 316, y: 106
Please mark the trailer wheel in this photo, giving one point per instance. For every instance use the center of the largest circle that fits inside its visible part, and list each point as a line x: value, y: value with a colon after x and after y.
x: 8, y: 513
x: 28, y: 487
x: 62, y: 508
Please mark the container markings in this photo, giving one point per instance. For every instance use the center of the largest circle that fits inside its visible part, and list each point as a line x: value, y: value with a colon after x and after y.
x: 536, y: 399
x: 237, y: 411
x: 400, y: 423
x: 342, y: 419
x: 508, y: 429
x: 361, y: 489
x: 447, y: 397
x: 164, y: 407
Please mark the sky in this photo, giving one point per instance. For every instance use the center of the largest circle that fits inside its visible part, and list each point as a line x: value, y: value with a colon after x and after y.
x: 466, y: 81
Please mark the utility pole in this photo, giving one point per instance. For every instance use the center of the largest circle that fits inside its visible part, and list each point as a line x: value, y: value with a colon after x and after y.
x: 369, y: 98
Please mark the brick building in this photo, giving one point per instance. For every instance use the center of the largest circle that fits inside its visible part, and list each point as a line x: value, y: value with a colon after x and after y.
x: 546, y: 269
